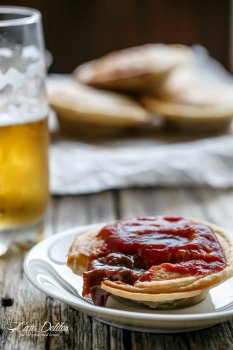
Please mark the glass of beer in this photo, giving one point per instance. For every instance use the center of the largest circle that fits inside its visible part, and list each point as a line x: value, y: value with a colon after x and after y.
x: 23, y: 127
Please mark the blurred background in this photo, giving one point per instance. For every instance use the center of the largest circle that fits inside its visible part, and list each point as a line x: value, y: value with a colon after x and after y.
x: 80, y: 30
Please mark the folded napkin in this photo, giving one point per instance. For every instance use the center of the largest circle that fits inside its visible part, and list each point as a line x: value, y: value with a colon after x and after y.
x: 78, y: 167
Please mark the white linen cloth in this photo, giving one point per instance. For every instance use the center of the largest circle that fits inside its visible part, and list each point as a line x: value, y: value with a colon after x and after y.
x: 77, y: 167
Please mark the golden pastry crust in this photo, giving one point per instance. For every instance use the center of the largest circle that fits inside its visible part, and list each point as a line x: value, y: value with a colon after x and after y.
x: 189, y: 116
x: 113, y: 288
x: 166, y: 288
x: 86, y: 106
x: 178, y: 82
x: 185, y: 85
x: 81, y: 249
x: 175, y: 110
x: 134, y: 69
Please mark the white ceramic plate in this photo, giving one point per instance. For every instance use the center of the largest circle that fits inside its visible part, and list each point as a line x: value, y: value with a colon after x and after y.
x: 45, y: 267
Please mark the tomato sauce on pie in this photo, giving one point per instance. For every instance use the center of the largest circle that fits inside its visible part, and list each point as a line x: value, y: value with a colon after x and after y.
x: 133, y: 250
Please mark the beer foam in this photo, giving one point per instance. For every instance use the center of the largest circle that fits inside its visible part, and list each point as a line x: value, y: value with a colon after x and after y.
x: 23, y: 116
x: 22, y: 85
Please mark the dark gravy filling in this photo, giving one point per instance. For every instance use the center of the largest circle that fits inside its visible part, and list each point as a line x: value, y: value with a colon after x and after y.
x: 134, y: 250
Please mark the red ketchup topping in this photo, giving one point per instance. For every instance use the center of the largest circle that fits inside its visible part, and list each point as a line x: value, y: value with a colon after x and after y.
x: 133, y: 250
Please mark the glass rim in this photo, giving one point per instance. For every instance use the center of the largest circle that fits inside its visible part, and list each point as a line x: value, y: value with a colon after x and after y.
x: 31, y: 15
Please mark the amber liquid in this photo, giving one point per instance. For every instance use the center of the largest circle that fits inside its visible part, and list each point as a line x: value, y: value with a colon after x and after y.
x: 23, y: 173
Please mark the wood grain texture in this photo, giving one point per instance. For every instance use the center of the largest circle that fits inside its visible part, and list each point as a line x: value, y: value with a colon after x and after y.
x: 20, y: 302
x: 81, y: 30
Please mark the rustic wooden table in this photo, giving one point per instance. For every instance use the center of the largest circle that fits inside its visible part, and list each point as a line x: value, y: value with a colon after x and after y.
x: 21, y: 302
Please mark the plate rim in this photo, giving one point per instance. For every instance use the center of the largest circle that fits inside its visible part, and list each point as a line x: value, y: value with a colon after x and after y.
x: 105, y: 311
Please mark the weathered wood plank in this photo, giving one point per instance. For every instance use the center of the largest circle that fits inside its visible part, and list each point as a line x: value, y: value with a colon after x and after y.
x: 161, y: 201
x: 76, y: 211
x: 22, y: 296
x: 217, y: 205
x: 159, y: 341
x: 214, y: 338
x: 118, y: 339
x: 27, y: 305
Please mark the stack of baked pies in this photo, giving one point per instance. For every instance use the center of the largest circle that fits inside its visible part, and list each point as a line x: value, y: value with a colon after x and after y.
x: 162, y: 262
x: 131, y: 88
